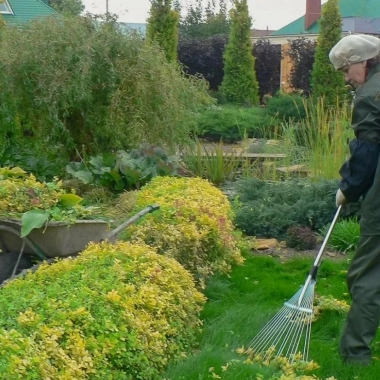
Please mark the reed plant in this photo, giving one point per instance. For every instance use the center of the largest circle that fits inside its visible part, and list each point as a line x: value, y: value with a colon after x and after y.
x: 212, y: 161
x: 315, y: 145
x: 323, y: 133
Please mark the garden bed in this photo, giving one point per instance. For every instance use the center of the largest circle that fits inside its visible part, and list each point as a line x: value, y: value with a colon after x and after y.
x: 285, y: 253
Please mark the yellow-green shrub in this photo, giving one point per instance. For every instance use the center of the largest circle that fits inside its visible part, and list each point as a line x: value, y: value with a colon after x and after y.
x: 116, y: 312
x: 193, y: 225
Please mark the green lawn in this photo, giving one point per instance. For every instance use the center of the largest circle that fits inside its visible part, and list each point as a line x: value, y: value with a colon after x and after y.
x: 239, y: 306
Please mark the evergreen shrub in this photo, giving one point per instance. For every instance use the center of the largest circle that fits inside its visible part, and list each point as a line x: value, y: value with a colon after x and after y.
x: 118, y: 311
x: 230, y: 124
x: 268, y: 209
x: 193, y: 225
x: 286, y: 107
x: 240, y: 83
x: 325, y: 80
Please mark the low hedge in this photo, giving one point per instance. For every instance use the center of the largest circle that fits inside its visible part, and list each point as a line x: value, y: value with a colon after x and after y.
x: 231, y: 123
x: 116, y: 312
x: 193, y: 225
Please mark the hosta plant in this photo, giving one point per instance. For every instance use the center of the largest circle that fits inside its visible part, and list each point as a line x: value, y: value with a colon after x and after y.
x: 35, y: 203
x: 193, y: 225
x: 124, y: 170
x: 118, y: 311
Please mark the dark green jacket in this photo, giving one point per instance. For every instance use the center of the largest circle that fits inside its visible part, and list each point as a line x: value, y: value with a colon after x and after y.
x: 361, y: 172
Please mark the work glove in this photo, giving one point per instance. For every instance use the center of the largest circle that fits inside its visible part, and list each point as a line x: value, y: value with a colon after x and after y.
x: 340, y: 199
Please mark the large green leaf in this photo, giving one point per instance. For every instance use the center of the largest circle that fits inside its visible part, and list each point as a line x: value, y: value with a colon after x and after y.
x: 33, y: 219
x: 6, y: 172
x: 69, y: 200
x: 83, y: 175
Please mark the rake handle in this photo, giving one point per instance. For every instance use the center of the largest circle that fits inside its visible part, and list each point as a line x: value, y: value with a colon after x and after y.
x: 317, y: 262
x: 314, y: 269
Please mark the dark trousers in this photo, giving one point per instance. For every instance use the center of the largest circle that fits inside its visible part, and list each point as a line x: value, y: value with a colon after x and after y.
x: 363, y: 280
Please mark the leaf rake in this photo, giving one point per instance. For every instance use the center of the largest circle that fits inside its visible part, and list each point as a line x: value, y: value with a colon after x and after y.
x: 287, y: 334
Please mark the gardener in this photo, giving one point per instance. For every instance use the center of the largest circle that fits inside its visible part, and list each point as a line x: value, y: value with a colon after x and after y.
x: 357, y: 56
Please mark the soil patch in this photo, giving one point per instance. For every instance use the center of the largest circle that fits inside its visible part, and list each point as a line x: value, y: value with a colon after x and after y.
x: 285, y: 253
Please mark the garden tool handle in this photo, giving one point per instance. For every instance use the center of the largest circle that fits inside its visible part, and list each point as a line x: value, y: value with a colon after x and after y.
x: 134, y: 218
x: 317, y: 261
x: 314, y: 269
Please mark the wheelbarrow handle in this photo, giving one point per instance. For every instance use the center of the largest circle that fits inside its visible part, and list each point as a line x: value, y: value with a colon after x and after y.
x: 130, y: 221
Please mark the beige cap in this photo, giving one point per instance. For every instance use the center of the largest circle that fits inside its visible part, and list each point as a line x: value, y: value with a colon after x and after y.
x: 354, y: 48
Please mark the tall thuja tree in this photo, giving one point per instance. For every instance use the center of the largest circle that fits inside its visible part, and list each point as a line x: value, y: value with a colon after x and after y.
x: 325, y: 80
x: 239, y: 83
x: 163, y: 27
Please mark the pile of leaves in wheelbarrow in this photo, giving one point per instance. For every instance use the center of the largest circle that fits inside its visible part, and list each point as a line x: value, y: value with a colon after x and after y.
x: 23, y: 197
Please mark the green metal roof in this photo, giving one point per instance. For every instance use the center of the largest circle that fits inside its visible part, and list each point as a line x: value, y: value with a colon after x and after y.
x: 348, y: 8
x: 27, y: 10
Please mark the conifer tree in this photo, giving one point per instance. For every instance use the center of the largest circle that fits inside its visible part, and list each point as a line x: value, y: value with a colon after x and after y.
x: 325, y: 80
x: 163, y: 27
x: 239, y: 82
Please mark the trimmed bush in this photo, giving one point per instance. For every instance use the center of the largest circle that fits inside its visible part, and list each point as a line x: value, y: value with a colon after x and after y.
x: 193, y: 225
x: 116, y: 312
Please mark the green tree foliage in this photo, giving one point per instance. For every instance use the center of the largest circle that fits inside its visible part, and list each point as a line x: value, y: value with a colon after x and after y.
x: 67, y: 7
x: 325, y: 80
x: 82, y: 86
x: 205, y: 22
x: 163, y: 27
x: 239, y: 83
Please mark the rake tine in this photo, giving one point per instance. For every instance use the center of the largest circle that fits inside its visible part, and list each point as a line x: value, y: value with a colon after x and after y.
x: 290, y: 328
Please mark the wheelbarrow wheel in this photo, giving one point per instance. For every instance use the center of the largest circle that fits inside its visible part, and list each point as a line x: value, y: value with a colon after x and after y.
x: 8, y: 261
